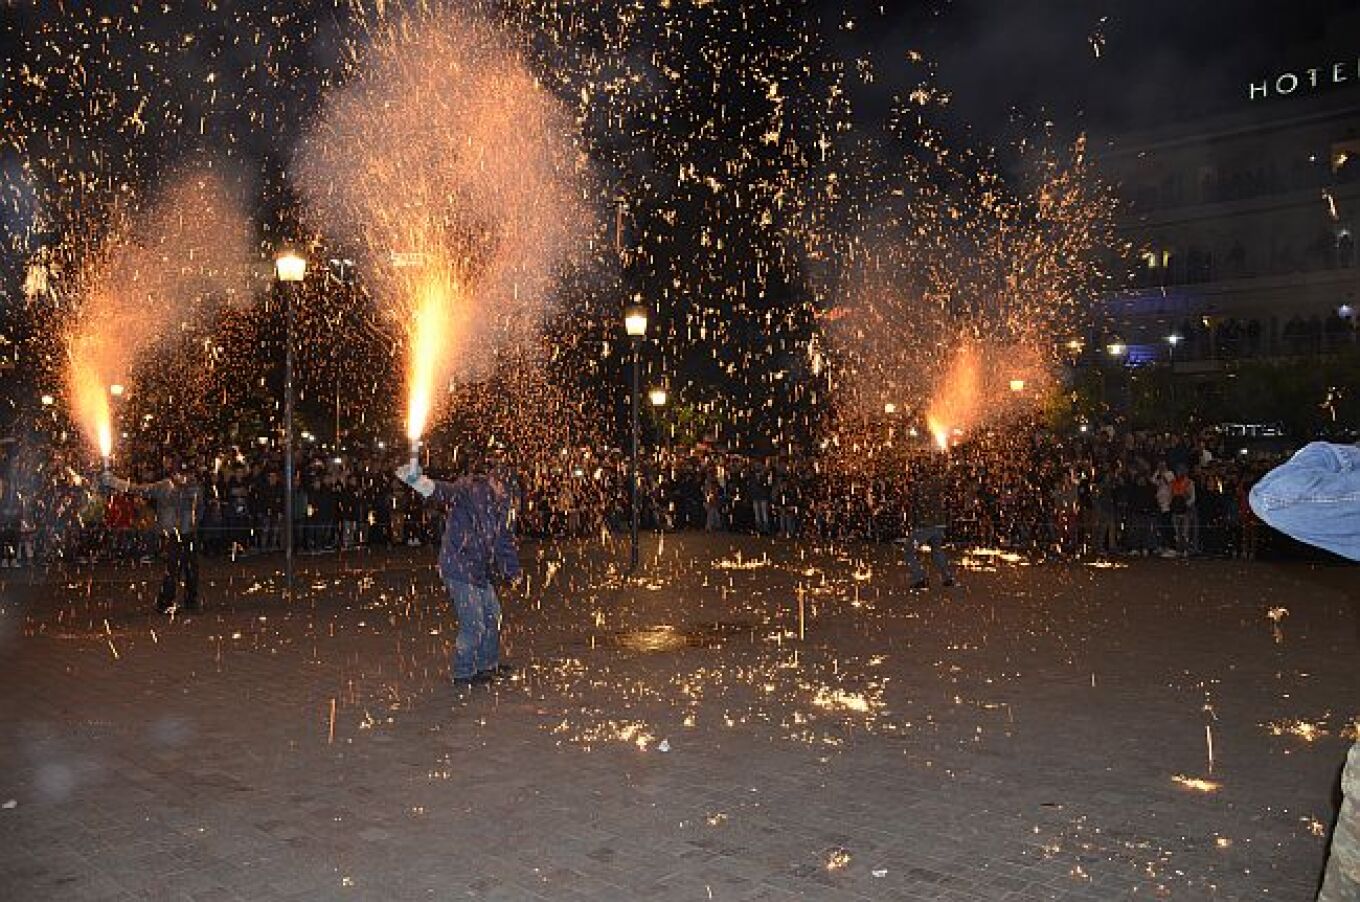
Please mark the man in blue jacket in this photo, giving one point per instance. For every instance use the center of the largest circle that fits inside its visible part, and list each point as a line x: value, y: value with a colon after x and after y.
x: 1315, y: 498
x: 478, y: 547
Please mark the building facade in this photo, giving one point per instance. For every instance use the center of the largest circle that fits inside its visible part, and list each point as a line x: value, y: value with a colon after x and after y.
x: 1241, y: 233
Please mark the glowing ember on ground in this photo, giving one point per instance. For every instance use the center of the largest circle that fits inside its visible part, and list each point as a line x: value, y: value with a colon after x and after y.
x: 837, y: 859
x: 738, y: 563
x: 1303, y: 729
x: 826, y: 697
x: 1196, y: 783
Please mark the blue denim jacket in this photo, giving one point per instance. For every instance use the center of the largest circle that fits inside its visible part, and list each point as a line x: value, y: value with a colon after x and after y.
x: 478, y: 539
x: 1315, y: 497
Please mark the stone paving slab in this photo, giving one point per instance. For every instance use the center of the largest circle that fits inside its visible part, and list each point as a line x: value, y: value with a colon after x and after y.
x: 1019, y: 738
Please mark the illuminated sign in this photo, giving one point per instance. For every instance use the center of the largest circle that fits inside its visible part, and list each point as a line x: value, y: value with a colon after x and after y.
x: 1304, y: 80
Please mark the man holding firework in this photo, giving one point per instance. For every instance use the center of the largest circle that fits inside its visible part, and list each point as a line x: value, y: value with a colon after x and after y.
x: 929, y: 521
x: 178, y: 499
x: 478, y: 546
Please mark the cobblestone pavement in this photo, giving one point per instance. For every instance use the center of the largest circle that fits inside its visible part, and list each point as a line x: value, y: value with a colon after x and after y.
x: 1165, y: 729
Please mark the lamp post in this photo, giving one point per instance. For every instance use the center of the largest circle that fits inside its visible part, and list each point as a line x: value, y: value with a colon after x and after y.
x: 635, y: 324
x: 289, y: 268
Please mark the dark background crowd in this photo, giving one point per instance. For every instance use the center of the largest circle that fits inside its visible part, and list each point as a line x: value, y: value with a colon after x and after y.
x: 1100, y: 492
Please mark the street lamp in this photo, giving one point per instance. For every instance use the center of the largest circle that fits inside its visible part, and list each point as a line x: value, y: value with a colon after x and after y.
x: 1347, y: 313
x: 1117, y: 349
x: 657, y: 396
x: 635, y: 324
x: 290, y: 268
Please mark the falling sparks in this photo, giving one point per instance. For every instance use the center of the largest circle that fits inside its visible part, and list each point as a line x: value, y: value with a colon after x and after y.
x: 455, y: 170
x: 150, y: 271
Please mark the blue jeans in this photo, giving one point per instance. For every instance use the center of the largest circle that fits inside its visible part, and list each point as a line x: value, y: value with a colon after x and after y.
x: 478, y: 646
x: 934, y: 537
x: 1315, y: 498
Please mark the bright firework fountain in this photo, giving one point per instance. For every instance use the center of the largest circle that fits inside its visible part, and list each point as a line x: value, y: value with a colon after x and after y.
x: 956, y: 303
x: 456, y: 172
x: 89, y: 394
x: 140, y: 283
x: 429, y: 330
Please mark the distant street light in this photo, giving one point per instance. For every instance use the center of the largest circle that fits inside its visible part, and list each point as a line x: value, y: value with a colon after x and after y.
x: 657, y: 396
x: 1117, y: 349
x: 635, y: 324
x: 635, y: 320
x: 1173, y: 340
x: 291, y: 268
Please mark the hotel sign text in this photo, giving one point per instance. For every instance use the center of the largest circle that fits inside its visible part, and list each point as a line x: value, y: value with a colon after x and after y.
x: 1313, y: 79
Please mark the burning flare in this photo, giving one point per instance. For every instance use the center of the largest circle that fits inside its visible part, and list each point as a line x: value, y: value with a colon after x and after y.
x: 430, y: 330
x: 89, y: 392
x: 143, y: 279
x: 454, y: 170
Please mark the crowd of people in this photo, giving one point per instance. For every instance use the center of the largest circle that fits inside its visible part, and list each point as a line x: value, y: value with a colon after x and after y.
x: 1100, y: 492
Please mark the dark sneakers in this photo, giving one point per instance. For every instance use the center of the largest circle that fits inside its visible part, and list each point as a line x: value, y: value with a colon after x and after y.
x: 482, y: 677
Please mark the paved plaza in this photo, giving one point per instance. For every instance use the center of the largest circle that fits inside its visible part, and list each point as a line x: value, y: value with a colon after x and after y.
x: 747, y: 720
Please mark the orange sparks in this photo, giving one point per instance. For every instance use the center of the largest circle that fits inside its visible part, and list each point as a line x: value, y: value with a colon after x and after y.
x: 430, y: 332
x: 1196, y: 783
x: 144, y: 277
x: 88, y: 394
x: 454, y: 170
x: 939, y: 432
